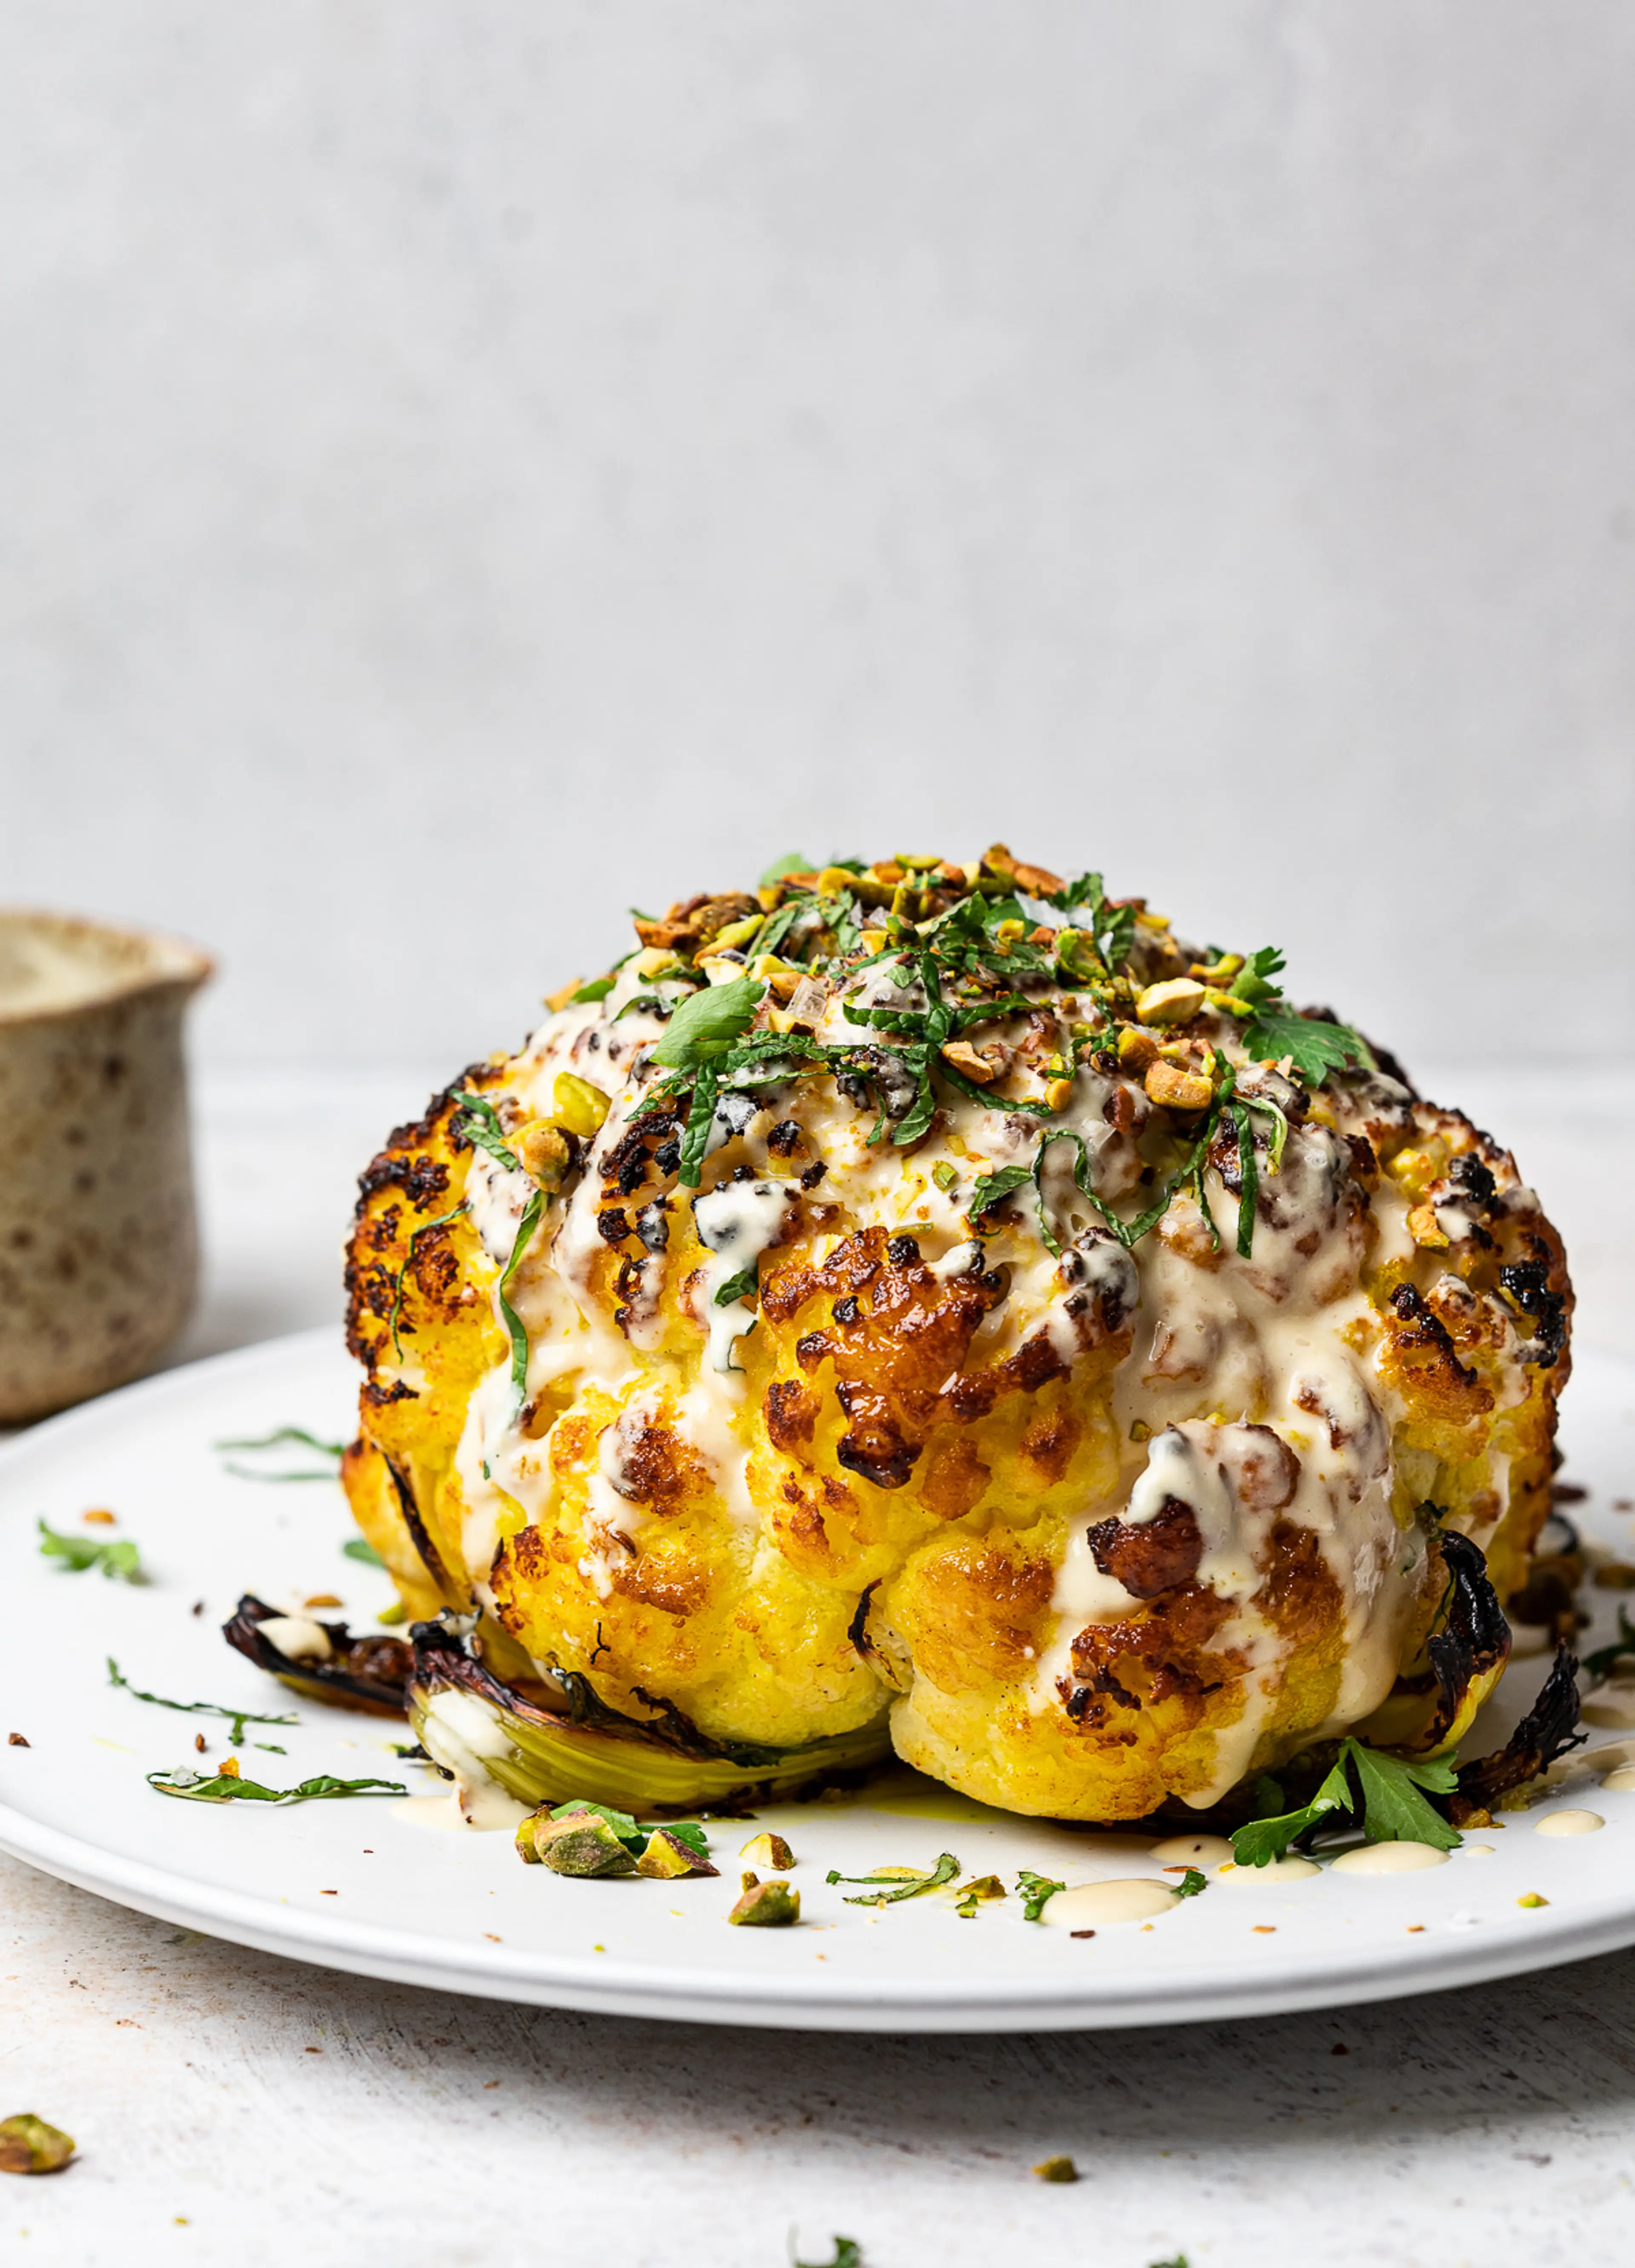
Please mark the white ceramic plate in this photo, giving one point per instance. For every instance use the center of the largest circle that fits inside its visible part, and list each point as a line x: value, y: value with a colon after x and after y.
x: 363, y: 1884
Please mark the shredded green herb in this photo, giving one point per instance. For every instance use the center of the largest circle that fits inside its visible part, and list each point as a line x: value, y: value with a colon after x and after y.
x: 359, y: 1548
x: 892, y: 1884
x: 598, y: 989
x: 1601, y: 1663
x: 78, y: 1553
x: 1190, y: 1883
x: 847, y: 2254
x: 285, y: 1437
x: 228, y: 1787
x: 513, y: 1321
x: 237, y: 1717
x: 1036, y: 1892
x: 477, y: 1121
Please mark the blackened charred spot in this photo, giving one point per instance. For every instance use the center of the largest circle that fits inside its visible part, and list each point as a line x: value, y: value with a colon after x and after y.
x: 668, y: 1156
x: 814, y: 1173
x: 1474, y: 1178
x: 810, y: 1349
x: 878, y: 1453
x: 421, y: 1179
x: 901, y: 1251
x: 1528, y: 1283
x: 612, y: 1225
x: 382, y: 1398
x: 785, y: 1138
x: 1407, y: 1302
x: 1156, y: 1555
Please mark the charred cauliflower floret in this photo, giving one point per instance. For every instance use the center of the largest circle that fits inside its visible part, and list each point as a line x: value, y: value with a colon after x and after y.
x: 929, y: 1307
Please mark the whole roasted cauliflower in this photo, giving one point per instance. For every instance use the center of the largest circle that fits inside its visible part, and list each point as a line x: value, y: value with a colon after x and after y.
x: 929, y: 1307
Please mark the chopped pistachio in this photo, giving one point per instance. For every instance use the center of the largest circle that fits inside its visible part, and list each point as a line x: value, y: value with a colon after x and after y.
x: 737, y: 934
x: 1136, y: 1049
x: 1175, y: 1001
x: 667, y: 1857
x: 1057, y: 2169
x: 1424, y: 1228
x: 943, y: 1174
x: 581, y: 1844
x: 977, y: 1892
x: 542, y: 1152
x: 976, y: 1064
x: 577, y: 1105
x: 1059, y: 1092
x: 769, y: 1851
x: 1177, y: 1089
x: 767, y: 1906
x: 397, y: 1612
x: 28, y: 2146
x: 1531, y: 1898
x: 1218, y: 972
x: 1140, y: 1430
x: 563, y: 993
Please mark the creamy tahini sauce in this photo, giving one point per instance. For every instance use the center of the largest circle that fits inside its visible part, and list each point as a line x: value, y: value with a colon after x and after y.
x: 1094, y: 1905
x: 1571, y: 1823
x: 1274, y: 1872
x: 1388, y: 1859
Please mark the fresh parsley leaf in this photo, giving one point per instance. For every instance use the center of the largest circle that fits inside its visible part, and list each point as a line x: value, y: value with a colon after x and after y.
x: 227, y: 1787
x: 900, y: 1882
x: 237, y: 1718
x: 740, y: 1286
x: 1256, y: 980
x: 793, y: 863
x: 359, y: 1548
x: 598, y: 989
x: 285, y: 1437
x: 78, y: 1552
x: 1262, y: 1840
x: 1316, y: 1049
x: 705, y: 1024
x: 1036, y: 1892
x: 1190, y: 1883
x: 1394, y: 1810
x: 847, y: 2255
x: 1385, y: 1793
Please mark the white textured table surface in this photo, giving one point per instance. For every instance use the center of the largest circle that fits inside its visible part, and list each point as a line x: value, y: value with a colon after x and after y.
x: 230, y: 2107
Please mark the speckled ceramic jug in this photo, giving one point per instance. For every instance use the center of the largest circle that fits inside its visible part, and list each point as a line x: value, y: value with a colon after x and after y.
x: 98, y: 1250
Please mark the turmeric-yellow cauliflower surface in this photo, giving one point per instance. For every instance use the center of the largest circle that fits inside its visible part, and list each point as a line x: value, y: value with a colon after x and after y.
x: 931, y: 1304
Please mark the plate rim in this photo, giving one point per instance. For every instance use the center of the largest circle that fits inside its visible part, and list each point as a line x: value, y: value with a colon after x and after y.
x: 610, y: 1985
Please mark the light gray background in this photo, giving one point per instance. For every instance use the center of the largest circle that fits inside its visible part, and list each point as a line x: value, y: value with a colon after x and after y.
x: 465, y: 470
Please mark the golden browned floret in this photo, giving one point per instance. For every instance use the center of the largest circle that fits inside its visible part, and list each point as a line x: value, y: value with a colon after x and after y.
x: 896, y: 1311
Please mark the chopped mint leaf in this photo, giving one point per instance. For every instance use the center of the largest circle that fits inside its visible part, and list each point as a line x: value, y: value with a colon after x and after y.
x: 898, y: 1883
x: 237, y: 1718
x: 598, y: 989
x: 791, y: 863
x: 78, y: 1552
x: 285, y: 1437
x: 395, y: 1317
x: 1036, y: 1892
x: 509, y: 1316
x: 359, y: 1548
x: 740, y: 1286
x: 228, y: 1787
x: 993, y: 1187
x: 477, y: 1121
x: 706, y: 1023
x: 847, y: 2254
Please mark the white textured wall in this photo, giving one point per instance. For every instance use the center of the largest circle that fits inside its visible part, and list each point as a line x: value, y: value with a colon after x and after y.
x: 464, y: 469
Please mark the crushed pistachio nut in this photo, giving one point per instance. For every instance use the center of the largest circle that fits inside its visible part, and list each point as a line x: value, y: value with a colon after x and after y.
x: 943, y: 1174
x: 667, y: 1857
x: 769, y: 1851
x: 1425, y: 1229
x: 557, y: 1000
x: 1137, y: 1048
x: 977, y: 1892
x: 1057, y: 2169
x: 542, y: 1153
x: 1531, y: 1898
x: 766, y: 1905
x: 1175, y: 1089
x: 581, y: 1844
x: 982, y: 1066
x: 577, y: 1105
x: 1175, y: 1001
x: 29, y: 2145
